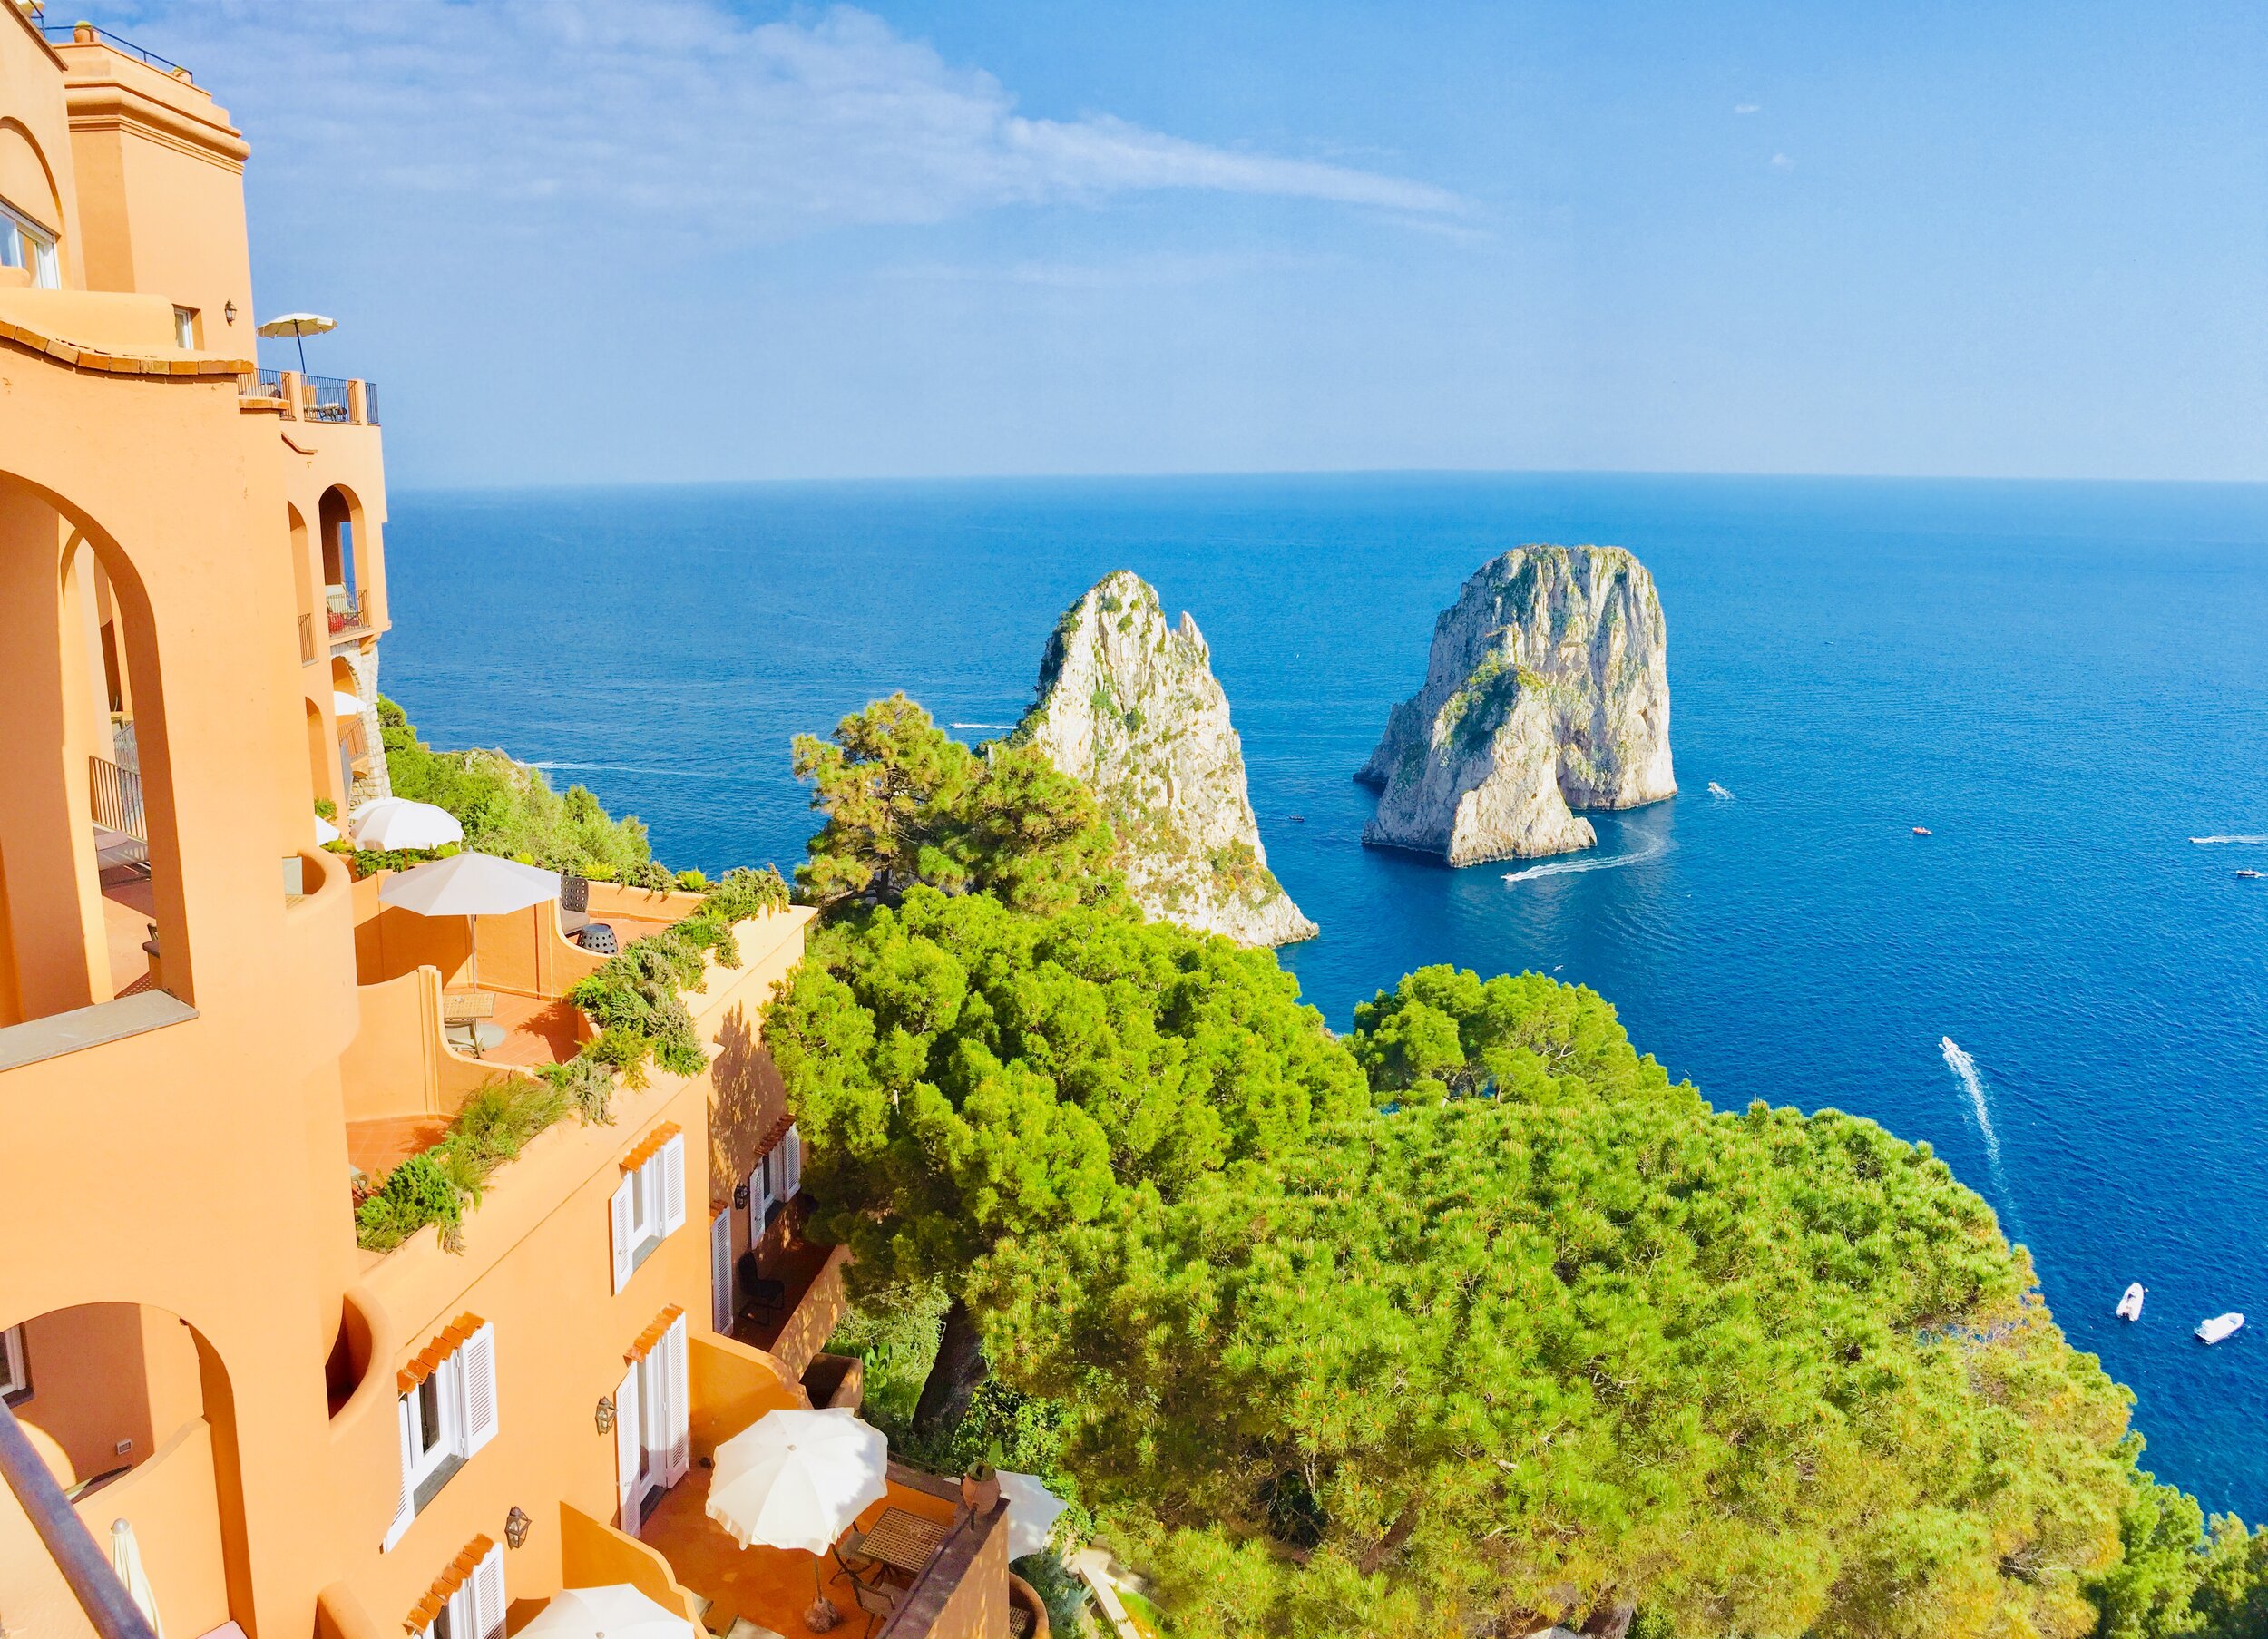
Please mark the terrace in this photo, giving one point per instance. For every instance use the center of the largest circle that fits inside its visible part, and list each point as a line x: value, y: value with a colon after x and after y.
x: 957, y: 1586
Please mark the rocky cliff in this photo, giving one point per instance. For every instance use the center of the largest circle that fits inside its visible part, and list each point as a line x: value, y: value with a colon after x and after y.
x: 1129, y: 704
x: 1547, y: 691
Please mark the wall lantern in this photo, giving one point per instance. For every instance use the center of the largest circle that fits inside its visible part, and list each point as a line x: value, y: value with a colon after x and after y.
x: 606, y: 1414
x: 516, y: 1525
x: 229, y: 313
x: 741, y: 1196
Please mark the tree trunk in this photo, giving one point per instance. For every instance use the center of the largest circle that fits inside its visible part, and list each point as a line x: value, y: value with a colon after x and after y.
x: 1375, y: 1556
x: 952, y: 1380
x: 1612, y: 1619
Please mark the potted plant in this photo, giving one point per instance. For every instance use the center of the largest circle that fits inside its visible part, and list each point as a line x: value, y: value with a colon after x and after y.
x: 980, y: 1488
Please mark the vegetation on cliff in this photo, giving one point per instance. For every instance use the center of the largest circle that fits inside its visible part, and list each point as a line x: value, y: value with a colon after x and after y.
x: 510, y: 809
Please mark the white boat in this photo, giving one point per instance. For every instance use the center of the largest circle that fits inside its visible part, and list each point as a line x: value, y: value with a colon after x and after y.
x: 2130, y: 1305
x: 1717, y: 790
x: 2218, y: 1327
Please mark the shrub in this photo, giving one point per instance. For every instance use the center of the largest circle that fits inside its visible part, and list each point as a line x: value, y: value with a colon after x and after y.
x: 413, y: 1195
x: 435, y: 1185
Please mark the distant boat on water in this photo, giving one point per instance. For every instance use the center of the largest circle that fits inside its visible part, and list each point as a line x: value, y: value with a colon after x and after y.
x: 1719, y: 791
x: 1921, y: 831
x: 2219, y: 1326
x: 2251, y: 873
x: 2130, y: 1305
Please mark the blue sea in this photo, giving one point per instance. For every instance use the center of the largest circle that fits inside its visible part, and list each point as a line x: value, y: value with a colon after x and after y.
x: 2065, y: 683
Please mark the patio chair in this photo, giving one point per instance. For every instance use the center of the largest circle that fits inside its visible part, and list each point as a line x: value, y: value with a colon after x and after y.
x: 877, y: 1602
x: 767, y: 1298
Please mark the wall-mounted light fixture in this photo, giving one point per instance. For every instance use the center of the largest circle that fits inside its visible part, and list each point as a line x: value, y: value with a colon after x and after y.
x: 229, y: 313
x: 606, y: 1414
x: 741, y: 1196
x: 516, y: 1525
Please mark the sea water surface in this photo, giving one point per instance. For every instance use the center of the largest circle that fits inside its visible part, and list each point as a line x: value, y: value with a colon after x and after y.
x: 2065, y: 684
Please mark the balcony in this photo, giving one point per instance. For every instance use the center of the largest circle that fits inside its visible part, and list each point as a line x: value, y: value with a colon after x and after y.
x: 338, y: 400
x: 349, y: 613
x: 789, y: 1292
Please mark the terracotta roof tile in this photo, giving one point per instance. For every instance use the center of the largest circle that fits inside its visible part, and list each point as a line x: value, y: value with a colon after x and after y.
x: 649, y: 1146
x: 427, y: 1361
x: 652, y: 1334
x: 431, y: 1603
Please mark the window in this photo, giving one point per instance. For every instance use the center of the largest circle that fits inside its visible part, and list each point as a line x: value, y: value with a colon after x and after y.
x: 185, y: 329
x: 448, y: 1413
x: 652, y: 1419
x: 649, y: 1204
x: 26, y: 244
x: 16, y: 1374
x: 778, y: 1179
x: 474, y: 1608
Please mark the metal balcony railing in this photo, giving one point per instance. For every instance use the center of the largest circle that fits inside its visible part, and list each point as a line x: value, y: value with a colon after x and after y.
x: 370, y: 404
x: 349, y: 611
x: 86, y: 34
x: 115, y: 797
x: 262, y: 384
x: 327, y: 399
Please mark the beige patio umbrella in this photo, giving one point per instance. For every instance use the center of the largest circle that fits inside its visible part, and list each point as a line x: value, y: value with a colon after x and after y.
x: 1033, y: 1510
x: 126, y: 1560
x: 470, y: 885
x: 396, y: 822
x: 617, y: 1611
x: 800, y: 1479
x: 300, y: 327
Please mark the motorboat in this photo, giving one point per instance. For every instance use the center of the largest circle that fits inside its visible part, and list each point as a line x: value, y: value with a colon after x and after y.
x: 2130, y: 1305
x: 2218, y: 1327
x: 1921, y: 831
x: 1717, y: 790
x: 2255, y: 874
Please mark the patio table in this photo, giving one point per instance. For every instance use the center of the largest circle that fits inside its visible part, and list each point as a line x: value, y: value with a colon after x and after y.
x: 904, y: 1541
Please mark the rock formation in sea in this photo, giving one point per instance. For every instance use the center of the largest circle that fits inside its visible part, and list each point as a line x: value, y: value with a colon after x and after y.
x: 1129, y: 704
x: 1547, y: 691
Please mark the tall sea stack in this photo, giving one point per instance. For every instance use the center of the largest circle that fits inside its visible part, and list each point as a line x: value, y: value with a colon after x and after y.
x: 1547, y: 691
x: 1129, y: 704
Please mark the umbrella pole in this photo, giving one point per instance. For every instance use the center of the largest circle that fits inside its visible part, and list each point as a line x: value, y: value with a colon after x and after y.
x: 299, y: 336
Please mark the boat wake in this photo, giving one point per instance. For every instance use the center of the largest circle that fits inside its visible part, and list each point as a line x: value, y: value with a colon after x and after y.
x: 2206, y: 842
x: 1003, y: 727
x: 1972, y: 1081
x: 1572, y: 867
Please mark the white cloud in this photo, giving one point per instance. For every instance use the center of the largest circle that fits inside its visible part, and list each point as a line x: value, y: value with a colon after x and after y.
x: 1156, y: 269
x: 1748, y: 108
x: 679, y: 109
x: 1780, y: 162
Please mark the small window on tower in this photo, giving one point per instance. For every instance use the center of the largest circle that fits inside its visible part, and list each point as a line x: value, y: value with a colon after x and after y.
x: 185, y: 329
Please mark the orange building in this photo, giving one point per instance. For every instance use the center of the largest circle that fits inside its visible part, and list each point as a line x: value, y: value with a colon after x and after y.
x: 212, y: 1037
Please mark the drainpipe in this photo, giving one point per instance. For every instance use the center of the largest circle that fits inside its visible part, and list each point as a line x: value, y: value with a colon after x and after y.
x: 68, y: 1541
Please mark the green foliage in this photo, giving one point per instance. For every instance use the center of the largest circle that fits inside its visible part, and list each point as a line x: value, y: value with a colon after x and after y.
x: 510, y: 809
x: 2177, y: 1578
x: 907, y: 803
x: 897, y: 1338
x: 588, y: 1084
x: 1584, y: 1345
x: 413, y: 1195
x: 435, y: 1185
x: 1444, y: 1033
x: 962, y: 1072
x: 325, y: 808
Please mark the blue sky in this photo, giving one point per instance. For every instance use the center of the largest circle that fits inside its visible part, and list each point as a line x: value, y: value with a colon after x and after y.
x: 591, y: 241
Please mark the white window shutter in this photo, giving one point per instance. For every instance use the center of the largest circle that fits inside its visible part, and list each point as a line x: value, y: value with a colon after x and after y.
x: 720, y: 1270
x: 677, y: 1430
x: 673, y: 1159
x: 476, y: 1387
x: 792, y: 1145
x: 405, y: 1509
x: 623, y: 1212
x: 486, y: 1586
x: 628, y: 1447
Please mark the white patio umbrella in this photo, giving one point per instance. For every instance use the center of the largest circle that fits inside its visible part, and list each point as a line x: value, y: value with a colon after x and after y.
x: 395, y: 822
x: 325, y: 832
x: 126, y: 1560
x: 345, y: 705
x: 615, y: 1612
x: 798, y: 1479
x: 300, y: 327
x: 470, y: 885
x: 1033, y: 1509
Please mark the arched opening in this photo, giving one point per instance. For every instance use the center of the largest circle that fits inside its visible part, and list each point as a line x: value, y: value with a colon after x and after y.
x: 338, y: 517
x: 354, y: 749
x: 130, y: 1408
x: 89, y: 890
x: 323, y: 764
x: 303, y: 584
